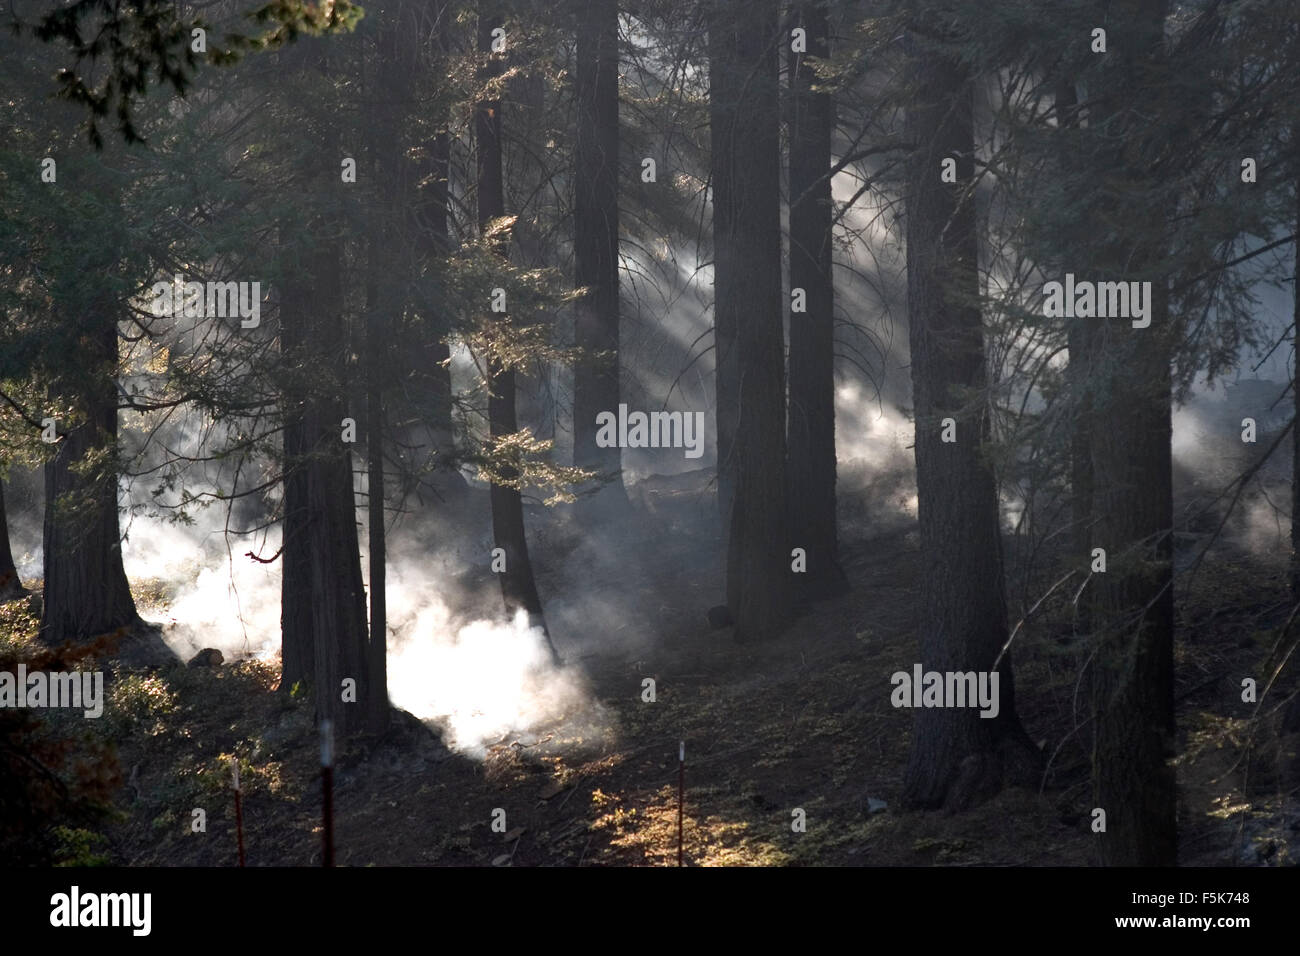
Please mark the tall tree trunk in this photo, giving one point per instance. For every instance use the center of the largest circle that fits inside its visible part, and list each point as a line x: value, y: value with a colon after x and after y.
x: 10, y: 585
x: 595, y: 222
x: 377, y: 710
x: 320, y: 532
x: 387, y: 248
x: 431, y: 206
x: 86, y: 590
x: 337, y: 589
x: 1079, y: 343
x: 745, y: 105
x: 1292, y: 717
x: 811, y: 458
x: 1132, y: 603
x: 324, y: 598
x: 725, y: 95
x: 958, y: 757
x: 297, y: 646
x: 518, y: 586
x: 1295, y: 390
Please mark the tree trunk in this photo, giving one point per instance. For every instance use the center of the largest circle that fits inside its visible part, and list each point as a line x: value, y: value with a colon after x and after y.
x: 811, y: 459
x: 518, y: 587
x: 1079, y: 343
x: 1295, y: 391
x: 387, y: 250
x: 324, y: 597
x: 86, y: 590
x: 1132, y: 603
x: 321, y: 553
x: 297, y: 648
x: 431, y: 207
x: 595, y: 222
x: 377, y: 710
x: 958, y: 758
x: 10, y: 585
x: 725, y: 94
x: 745, y: 104
x: 1291, y: 719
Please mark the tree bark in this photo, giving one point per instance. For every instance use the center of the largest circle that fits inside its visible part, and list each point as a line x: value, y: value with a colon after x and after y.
x: 1079, y: 341
x: 811, y: 458
x: 377, y: 710
x: 10, y: 585
x: 387, y: 249
x: 745, y: 105
x: 297, y: 647
x: 725, y: 92
x: 1132, y: 603
x: 1295, y: 390
x: 958, y: 758
x: 324, y: 596
x: 1291, y: 718
x: 86, y: 589
x: 431, y: 206
x: 595, y: 220
x: 518, y: 586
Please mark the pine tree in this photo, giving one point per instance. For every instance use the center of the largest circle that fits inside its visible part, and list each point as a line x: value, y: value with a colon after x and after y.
x: 748, y: 331
x: 595, y: 219
x: 323, y: 597
x: 958, y: 757
x: 518, y: 586
x: 811, y: 432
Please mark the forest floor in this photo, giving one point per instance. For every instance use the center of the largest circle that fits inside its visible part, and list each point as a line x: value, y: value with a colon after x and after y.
x: 801, y: 723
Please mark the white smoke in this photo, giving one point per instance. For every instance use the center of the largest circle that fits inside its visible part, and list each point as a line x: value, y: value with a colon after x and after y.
x: 477, y: 680
x: 210, y: 597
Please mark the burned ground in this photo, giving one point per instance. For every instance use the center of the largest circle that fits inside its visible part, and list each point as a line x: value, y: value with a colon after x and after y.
x: 804, y: 722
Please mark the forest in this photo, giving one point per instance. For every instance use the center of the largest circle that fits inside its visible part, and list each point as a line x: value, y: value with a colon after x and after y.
x: 649, y: 433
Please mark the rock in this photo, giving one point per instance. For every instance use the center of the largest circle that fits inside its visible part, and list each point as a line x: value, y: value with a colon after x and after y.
x: 208, y: 657
x: 720, y: 617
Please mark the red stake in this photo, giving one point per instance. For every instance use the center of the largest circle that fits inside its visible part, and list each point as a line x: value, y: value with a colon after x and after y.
x: 239, y: 812
x: 681, y: 786
x: 327, y: 786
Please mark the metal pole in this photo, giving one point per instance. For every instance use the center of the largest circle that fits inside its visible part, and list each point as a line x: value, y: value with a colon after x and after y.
x: 681, y: 787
